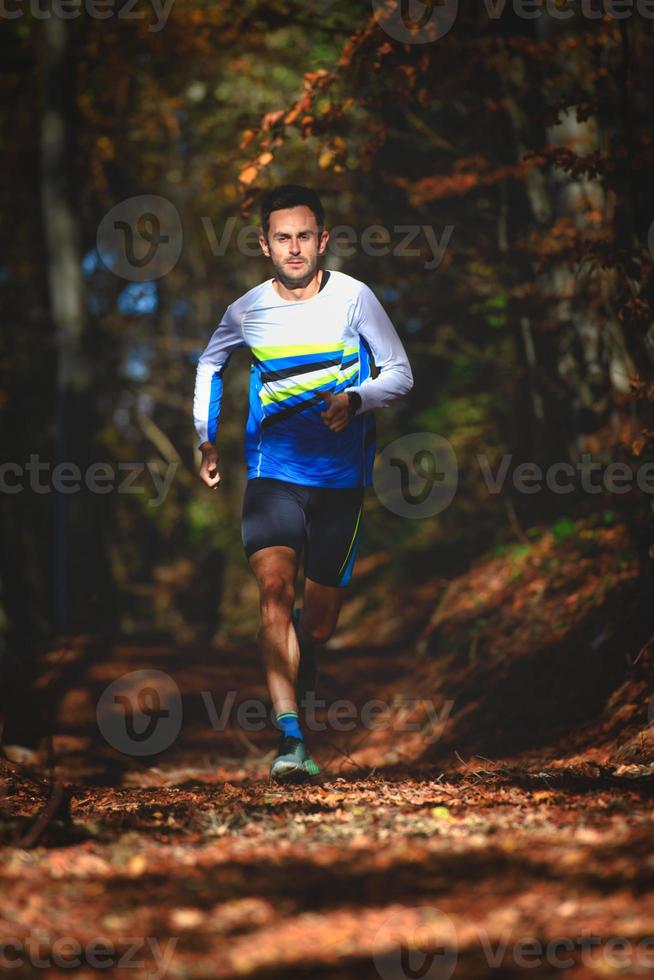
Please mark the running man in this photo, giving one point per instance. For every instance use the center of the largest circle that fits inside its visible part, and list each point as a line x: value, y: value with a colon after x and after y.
x: 309, y: 441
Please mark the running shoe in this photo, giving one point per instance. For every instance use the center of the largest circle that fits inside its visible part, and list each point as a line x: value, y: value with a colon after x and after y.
x: 293, y: 763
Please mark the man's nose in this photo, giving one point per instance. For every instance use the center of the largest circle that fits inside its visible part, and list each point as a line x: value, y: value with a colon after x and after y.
x: 295, y: 245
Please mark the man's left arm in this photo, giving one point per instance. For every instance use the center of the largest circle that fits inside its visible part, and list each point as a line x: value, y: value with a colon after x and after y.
x: 395, y: 377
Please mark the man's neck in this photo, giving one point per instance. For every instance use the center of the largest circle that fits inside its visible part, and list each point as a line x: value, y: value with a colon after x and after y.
x: 303, y: 292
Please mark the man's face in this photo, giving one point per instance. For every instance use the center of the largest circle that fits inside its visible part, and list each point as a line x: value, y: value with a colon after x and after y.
x: 293, y: 245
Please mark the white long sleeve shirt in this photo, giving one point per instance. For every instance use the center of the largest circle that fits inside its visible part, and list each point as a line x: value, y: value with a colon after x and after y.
x: 301, y: 349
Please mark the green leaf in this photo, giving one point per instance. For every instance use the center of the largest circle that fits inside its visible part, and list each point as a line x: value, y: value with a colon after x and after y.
x: 562, y: 529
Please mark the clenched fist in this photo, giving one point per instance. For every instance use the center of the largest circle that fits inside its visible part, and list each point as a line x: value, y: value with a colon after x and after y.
x: 338, y: 415
x: 209, y: 465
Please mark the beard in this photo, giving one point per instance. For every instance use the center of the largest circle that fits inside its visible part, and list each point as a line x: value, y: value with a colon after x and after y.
x: 295, y: 278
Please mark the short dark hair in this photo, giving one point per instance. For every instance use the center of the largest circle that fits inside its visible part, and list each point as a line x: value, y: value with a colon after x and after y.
x: 291, y: 196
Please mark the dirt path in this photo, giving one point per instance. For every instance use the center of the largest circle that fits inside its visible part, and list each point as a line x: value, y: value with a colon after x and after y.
x: 213, y: 879
x: 418, y: 856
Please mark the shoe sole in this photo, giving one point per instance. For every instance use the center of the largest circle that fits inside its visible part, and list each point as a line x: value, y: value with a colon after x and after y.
x: 292, y: 774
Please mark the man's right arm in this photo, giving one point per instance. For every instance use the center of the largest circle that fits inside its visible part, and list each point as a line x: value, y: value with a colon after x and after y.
x: 226, y: 338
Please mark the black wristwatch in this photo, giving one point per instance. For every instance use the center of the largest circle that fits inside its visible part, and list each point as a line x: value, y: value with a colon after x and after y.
x: 354, y: 399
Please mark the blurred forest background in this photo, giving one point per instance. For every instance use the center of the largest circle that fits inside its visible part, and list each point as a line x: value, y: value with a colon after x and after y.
x: 525, y: 145
x: 509, y: 639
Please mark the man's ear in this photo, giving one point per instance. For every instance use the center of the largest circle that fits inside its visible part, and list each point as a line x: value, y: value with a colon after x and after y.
x: 324, y: 239
x: 263, y: 242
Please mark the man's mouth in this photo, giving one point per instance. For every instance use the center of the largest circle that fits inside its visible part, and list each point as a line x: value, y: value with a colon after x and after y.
x: 295, y: 262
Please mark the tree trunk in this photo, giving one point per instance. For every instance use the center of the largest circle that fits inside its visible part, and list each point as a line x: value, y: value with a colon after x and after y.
x: 80, y: 575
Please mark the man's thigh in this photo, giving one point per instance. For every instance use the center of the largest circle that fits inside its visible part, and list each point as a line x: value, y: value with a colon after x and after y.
x: 332, y: 535
x: 273, y: 516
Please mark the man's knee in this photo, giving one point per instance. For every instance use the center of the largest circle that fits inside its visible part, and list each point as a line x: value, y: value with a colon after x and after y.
x: 318, y: 632
x: 276, y: 594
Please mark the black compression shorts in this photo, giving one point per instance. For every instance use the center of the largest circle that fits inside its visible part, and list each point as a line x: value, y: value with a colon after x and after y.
x: 326, y: 521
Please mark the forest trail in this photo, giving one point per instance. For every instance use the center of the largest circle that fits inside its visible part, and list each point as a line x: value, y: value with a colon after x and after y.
x: 480, y: 874
x: 449, y: 839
